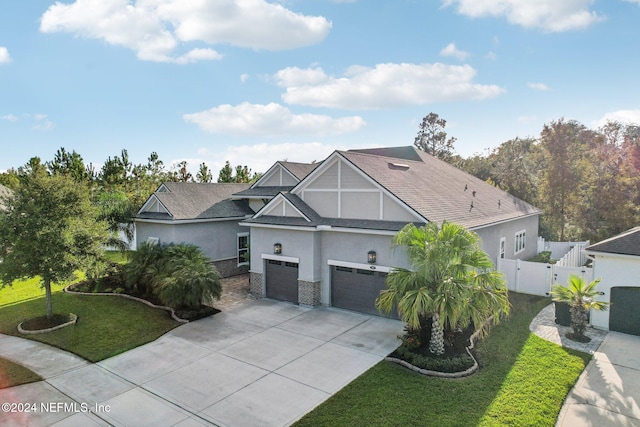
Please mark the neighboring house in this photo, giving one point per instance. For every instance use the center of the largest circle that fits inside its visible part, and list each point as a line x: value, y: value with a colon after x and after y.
x: 326, y: 239
x: 201, y: 214
x: 207, y: 215
x: 616, y: 261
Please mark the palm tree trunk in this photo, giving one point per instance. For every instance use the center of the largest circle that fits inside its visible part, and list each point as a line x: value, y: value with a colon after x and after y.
x: 436, y: 344
x: 578, y: 319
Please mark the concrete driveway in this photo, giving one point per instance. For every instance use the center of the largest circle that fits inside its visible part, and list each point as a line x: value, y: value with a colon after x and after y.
x: 608, y: 391
x: 264, y: 363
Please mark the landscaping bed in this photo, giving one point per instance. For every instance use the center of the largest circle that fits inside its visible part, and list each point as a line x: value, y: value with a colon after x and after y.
x: 522, y: 381
x: 179, y: 314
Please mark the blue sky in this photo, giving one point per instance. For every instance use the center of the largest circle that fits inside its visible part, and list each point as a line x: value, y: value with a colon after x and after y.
x: 253, y: 82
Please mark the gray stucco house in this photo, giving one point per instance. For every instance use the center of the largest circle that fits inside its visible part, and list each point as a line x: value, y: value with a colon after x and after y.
x: 326, y: 239
x: 208, y: 214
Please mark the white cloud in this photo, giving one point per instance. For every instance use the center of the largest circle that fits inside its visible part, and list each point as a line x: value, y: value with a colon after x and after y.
x: 244, y: 77
x: 44, y: 126
x: 9, y: 118
x: 538, y: 86
x: 261, y: 157
x: 633, y: 1
x: 623, y: 116
x: 491, y: 55
x: 525, y: 120
x: 156, y: 29
x: 547, y: 15
x: 196, y: 55
x: 4, y: 55
x: 385, y: 86
x: 269, y: 120
x: 452, y: 50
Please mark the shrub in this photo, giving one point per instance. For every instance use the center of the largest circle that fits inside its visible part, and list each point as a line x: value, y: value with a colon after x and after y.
x: 456, y: 363
x: 187, y: 278
x: 141, y: 268
x: 543, y: 257
x: 180, y: 275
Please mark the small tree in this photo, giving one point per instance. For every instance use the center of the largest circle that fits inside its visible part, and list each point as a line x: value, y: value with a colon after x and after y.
x: 580, y: 297
x: 451, y: 280
x: 49, y: 229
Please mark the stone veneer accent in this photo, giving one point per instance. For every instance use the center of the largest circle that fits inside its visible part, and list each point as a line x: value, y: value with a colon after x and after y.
x: 229, y: 267
x: 255, y: 285
x: 309, y: 293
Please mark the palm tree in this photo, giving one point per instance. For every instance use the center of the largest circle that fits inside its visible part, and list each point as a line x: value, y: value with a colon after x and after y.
x: 580, y: 297
x: 452, y: 280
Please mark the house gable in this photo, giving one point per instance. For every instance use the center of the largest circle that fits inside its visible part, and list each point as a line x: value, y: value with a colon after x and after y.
x: 281, y: 207
x: 153, y: 205
x: 276, y: 176
x: 337, y: 189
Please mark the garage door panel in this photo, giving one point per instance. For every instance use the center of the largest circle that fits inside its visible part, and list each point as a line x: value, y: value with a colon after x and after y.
x: 282, y: 280
x: 625, y: 310
x: 355, y: 289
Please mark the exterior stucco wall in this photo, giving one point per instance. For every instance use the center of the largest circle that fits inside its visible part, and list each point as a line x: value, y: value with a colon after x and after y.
x: 614, y: 270
x: 218, y: 240
x: 297, y: 244
x: 353, y: 247
x: 491, y: 236
x: 315, y: 248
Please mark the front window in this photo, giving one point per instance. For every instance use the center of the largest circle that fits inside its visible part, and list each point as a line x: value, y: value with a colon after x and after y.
x: 243, y: 248
x: 521, y: 240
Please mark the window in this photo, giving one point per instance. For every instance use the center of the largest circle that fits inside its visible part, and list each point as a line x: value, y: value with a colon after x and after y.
x: 243, y: 248
x: 521, y: 239
x: 503, y: 245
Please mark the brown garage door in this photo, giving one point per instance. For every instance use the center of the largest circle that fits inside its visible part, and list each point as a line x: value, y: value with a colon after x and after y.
x: 282, y: 280
x: 625, y: 310
x: 355, y: 289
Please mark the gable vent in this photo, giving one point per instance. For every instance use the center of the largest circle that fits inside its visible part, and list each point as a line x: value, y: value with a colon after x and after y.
x: 402, y: 166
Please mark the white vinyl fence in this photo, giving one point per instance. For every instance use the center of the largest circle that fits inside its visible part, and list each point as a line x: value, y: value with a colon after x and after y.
x: 536, y: 278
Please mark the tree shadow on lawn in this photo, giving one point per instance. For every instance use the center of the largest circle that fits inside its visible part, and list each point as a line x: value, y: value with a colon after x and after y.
x: 106, y: 326
x: 389, y: 394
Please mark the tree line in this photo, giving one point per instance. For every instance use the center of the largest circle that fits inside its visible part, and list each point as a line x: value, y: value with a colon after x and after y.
x: 120, y: 176
x: 587, y: 182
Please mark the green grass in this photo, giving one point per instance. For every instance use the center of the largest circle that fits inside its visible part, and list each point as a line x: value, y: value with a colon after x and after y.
x: 25, y: 290
x: 106, y: 325
x: 12, y: 374
x: 522, y: 381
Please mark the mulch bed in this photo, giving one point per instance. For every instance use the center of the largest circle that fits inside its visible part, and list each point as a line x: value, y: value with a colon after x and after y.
x: 182, y: 313
x: 43, y: 322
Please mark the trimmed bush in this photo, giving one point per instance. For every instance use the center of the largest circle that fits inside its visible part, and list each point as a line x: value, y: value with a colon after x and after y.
x: 179, y: 275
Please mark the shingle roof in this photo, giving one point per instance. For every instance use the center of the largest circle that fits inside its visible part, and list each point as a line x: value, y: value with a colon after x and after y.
x: 300, y: 170
x: 627, y: 243
x: 186, y: 200
x: 437, y: 190
x: 268, y: 191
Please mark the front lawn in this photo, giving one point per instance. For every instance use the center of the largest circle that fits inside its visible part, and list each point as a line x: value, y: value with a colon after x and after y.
x: 107, y: 325
x: 522, y: 381
x: 12, y: 374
